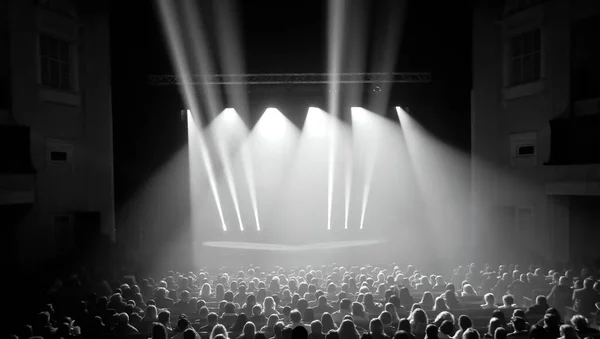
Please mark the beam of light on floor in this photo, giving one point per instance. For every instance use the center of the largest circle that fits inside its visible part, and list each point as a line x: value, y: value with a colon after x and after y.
x: 348, y: 161
x: 361, y: 120
x: 171, y: 30
x: 318, y: 123
x: 196, y: 143
x: 249, y: 173
x: 227, y: 169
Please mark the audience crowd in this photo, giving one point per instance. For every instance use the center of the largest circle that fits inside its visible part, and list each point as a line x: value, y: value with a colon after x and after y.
x: 328, y: 302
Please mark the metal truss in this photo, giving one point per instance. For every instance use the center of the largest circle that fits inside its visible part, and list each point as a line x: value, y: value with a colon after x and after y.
x: 289, y: 78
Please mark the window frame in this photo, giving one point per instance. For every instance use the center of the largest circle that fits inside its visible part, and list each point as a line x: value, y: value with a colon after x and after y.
x: 510, y: 56
x: 70, y: 62
x: 514, y: 25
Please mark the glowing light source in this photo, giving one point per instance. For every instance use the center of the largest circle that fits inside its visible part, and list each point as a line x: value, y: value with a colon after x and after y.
x: 317, y: 122
x: 272, y: 124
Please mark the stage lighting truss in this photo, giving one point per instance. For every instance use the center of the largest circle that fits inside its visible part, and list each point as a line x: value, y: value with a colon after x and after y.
x: 289, y: 78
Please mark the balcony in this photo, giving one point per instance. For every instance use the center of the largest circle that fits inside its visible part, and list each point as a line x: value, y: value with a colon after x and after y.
x: 575, y: 140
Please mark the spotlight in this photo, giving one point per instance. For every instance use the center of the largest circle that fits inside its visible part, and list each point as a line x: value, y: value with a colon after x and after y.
x: 272, y: 124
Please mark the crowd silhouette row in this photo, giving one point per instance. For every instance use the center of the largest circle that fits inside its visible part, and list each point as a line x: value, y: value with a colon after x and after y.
x: 329, y: 302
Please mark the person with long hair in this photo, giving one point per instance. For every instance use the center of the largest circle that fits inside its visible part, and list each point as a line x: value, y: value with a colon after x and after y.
x: 431, y: 332
x: 370, y: 306
x: 376, y: 329
x: 464, y: 323
x: 443, y: 316
x: 348, y: 330
x: 248, y: 332
x: 205, y: 292
x: 427, y: 301
x: 361, y: 318
x: 327, y: 322
x: 240, y: 322
x: 406, y: 300
x: 268, y: 328
x: 469, y: 291
x: 492, y: 326
x: 404, y: 327
x: 418, y: 322
x: 218, y: 330
x: 440, y: 305
x: 159, y: 331
x: 219, y: 293
x: 150, y: 317
x: 451, y: 300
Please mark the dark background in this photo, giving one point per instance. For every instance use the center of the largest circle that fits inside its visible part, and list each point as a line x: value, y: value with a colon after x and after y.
x: 280, y: 37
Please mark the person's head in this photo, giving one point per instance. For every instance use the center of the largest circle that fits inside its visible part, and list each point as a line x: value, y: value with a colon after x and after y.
x: 493, y: 325
x: 404, y: 325
x: 345, y: 304
x: 440, y: 305
x: 508, y: 300
x: 296, y: 316
x: 500, y: 315
x: 519, y: 324
x: 268, y: 303
x: 256, y: 310
x: 500, y: 333
x: 579, y: 322
x: 159, y: 331
x: 554, y: 311
x: 464, y: 322
x: 273, y: 319
x: 299, y: 332
x: 123, y: 319
x: 402, y: 335
x: 229, y: 307
x: 164, y: 317
x: 376, y: 326
x: 386, y: 318
x: 218, y: 330
x: 427, y: 299
x: 316, y: 327
x: 277, y: 329
x: 568, y: 332
x: 212, y: 318
x: 419, y: 316
x: 241, y: 320
x: 183, y: 323
x: 442, y: 316
x: 551, y: 321
x: 327, y: 322
x: 431, y: 331
x: 538, y: 332
x: 189, y: 334
x: 489, y: 298
x: 203, y: 312
x: 249, y: 330
x: 250, y: 299
x: 447, y: 327
x: 563, y: 281
x: 368, y: 299
x: 332, y: 334
x: 358, y: 310
x: 348, y: 330
x: 471, y: 334
x: 151, y: 313
x: 469, y: 290
x: 541, y: 300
